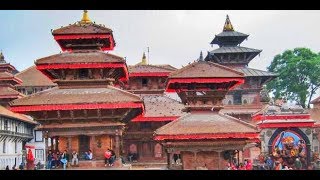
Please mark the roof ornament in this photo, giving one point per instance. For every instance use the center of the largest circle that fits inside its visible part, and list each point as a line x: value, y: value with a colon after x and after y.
x: 144, y: 59
x: 227, y: 25
x: 201, y: 56
x: 85, y: 17
x: 2, y: 58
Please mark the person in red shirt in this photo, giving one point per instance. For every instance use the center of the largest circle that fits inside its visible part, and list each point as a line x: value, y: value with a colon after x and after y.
x: 107, y: 156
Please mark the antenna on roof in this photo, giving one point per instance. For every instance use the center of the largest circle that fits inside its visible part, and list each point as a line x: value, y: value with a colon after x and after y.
x: 148, y: 62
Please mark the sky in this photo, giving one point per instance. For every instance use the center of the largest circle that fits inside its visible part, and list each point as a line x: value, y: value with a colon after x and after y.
x: 173, y: 37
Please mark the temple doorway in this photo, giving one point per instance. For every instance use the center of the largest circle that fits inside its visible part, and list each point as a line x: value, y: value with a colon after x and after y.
x: 84, y: 145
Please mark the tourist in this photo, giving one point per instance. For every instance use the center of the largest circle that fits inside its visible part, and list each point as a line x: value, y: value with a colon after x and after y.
x: 298, y: 164
x: 285, y: 168
x: 75, y: 158
x: 54, y: 160
x: 175, y: 158
x: 112, y: 158
x: 21, y: 166
x: 269, y: 162
x: 248, y: 164
x: 88, y: 155
x: 58, y: 159
x: 130, y: 157
x: 228, y: 166
x: 49, y: 160
x: 64, y: 160
x: 107, y: 156
x: 278, y: 165
x: 30, y: 160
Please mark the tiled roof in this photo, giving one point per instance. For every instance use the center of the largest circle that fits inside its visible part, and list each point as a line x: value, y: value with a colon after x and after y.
x: 249, y: 72
x: 231, y: 33
x: 205, y: 69
x: 231, y: 111
x: 79, y: 28
x: 8, y: 91
x: 149, y: 68
x: 33, y: 77
x: 5, y: 112
x: 234, y: 49
x: 316, y: 100
x: 56, y: 96
x: 161, y: 106
x: 205, y: 123
x: 6, y: 75
x: 83, y: 56
x: 315, y: 114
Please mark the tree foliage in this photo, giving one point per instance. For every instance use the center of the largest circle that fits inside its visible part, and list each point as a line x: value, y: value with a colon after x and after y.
x: 298, y: 75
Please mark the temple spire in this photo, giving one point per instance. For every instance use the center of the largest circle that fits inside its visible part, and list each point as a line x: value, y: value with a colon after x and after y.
x: 2, y: 58
x: 144, y: 59
x: 85, y: 17
x: 227, y: 25
x: 201, y: 56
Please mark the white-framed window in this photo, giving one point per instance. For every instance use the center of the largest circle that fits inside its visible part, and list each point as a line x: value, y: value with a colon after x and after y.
x: 38, y: 136
x: 39, y: 154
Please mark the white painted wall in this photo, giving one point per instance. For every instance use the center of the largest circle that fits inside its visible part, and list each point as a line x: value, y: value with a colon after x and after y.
x: 10, y: 156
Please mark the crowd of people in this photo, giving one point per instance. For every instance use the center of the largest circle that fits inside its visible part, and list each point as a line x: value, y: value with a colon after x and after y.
x: 247, y: 165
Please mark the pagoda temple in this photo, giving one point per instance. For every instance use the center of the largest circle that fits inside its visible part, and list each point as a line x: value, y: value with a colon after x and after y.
x: 85, y: 111
x: 8, y: 82
x: 244, y: 100
x: 204, y: 138
x: 148, y: 81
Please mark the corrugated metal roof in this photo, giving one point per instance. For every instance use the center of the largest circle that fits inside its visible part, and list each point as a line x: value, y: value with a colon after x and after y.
x: 248, y: 72
x: 231, y: 33
x: 234, y: 49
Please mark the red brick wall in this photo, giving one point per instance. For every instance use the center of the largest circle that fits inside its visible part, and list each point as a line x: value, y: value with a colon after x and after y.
x: 75, y: 144
x: 210, y: 159
x: 63, y: 144
x: 101, y: 144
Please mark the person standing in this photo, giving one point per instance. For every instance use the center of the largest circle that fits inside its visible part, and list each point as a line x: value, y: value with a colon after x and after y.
x: 49, y: 160
x: 30, y: 160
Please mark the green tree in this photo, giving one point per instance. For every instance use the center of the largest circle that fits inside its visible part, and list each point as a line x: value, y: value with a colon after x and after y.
x: 298, y: 75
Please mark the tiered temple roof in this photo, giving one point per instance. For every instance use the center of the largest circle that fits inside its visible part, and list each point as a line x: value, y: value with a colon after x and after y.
x: 85, y: 76
x: 203, y: 80
x: 7, y: 82
x: 160, y: 108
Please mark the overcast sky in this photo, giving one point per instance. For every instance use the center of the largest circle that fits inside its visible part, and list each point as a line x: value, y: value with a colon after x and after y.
x: 174, y: 37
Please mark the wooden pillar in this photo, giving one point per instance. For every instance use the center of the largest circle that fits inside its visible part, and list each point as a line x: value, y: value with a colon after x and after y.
x: 69, y: 144
x: 92, y: 143
x: 57, y: 144
x: 168, y: 160
x: 117, y: 145
x: 195, y: 160
x: 219, y: 160
x: 46, y: 148
x: 51, y: 143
